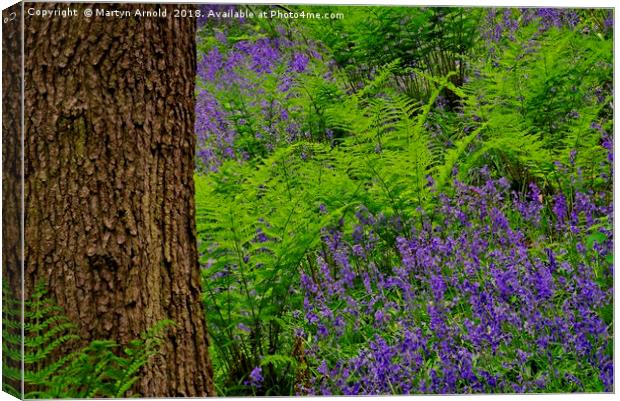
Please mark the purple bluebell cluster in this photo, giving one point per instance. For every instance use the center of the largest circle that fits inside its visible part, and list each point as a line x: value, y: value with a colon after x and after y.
x: 256, y: 377
x: 245, y: 96
x: 504, y: 23
x: 215, y: 132
x: 489, y: 292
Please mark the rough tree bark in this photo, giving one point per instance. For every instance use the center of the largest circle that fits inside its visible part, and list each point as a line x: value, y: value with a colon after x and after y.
x: 11, y: 193
x: 11, y: 149
x: 109, y: 192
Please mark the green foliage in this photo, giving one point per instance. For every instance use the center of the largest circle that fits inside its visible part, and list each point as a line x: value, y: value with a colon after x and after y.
x: 538, y: 100
x: 258, y: 222
x: 413, y: 93
x: 249, y: 284
x: 101, y: 369
x: 11, y: 342
x: 437, y: 41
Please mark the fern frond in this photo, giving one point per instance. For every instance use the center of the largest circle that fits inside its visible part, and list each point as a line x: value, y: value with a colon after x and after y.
x: 94, y: 371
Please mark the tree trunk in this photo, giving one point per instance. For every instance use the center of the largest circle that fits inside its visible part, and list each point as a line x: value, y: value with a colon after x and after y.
x: 11, y: 197
x: 109, y: 191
